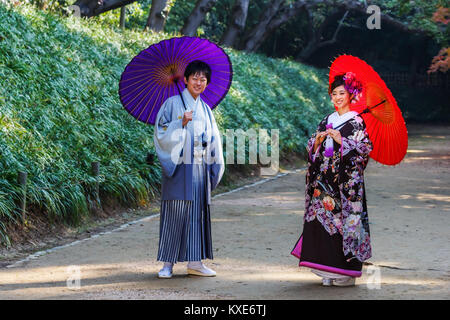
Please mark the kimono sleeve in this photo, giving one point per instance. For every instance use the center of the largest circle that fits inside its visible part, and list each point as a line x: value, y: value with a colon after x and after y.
x: 355, y: 151
x: 312, y: 140
x: 214, y: 153
x: 169, y: 137
x: 357, y: 147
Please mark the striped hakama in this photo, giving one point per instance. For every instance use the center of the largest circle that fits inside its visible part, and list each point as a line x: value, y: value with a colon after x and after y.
x: 185, y: 226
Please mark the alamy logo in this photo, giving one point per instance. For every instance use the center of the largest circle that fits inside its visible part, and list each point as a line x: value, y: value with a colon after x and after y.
x: 260, y: 145
x: 374, y: 21
x: 74, y: 280
x: 374, y: 278
x: 258, y: 148
x: 76, y: 10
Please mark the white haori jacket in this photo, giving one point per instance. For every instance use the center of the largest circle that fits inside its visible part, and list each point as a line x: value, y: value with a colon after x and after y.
x: 175, y: 146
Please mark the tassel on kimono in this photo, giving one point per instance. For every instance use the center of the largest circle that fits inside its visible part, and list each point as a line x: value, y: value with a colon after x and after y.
x: 329, y: 143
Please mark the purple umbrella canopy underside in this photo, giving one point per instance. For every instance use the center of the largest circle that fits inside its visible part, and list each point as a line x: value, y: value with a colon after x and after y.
x: 151, y: 76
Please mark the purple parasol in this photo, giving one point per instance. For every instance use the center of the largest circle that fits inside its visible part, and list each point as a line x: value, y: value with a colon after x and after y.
x: 157, y: 73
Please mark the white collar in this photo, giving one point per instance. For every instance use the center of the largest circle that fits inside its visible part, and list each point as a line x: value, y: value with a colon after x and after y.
x: 189, y: 99
x: 337, y: 119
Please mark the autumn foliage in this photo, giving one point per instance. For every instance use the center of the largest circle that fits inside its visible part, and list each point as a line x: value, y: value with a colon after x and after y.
x: 442, y: 15
x: 441, y: 62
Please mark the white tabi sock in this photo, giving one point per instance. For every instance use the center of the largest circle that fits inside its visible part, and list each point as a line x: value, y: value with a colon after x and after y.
x: 195, y: 265
x: 168, y: 265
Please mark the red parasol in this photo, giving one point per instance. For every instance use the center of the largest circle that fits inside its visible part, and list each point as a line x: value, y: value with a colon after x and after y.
x: 377, y: 106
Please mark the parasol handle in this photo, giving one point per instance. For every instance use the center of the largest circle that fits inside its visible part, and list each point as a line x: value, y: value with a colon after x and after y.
x: 176, y: 85
x: 366, y: 110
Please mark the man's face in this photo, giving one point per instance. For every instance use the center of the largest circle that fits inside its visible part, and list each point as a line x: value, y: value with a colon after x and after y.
x: 196, y: 84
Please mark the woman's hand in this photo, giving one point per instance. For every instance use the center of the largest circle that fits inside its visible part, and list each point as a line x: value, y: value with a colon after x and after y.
x: 320, y: 136
x: 187, y: 117
x: 335, y: 134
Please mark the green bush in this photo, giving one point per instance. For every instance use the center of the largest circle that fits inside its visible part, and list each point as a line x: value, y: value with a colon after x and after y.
x: 60, y: 111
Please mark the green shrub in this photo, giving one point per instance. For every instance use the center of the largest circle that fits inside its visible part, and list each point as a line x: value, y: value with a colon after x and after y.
x: 60, y: 111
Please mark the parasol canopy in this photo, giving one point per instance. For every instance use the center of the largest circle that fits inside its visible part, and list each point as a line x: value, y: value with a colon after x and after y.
x: 384, y: 121
x: 157, y: 73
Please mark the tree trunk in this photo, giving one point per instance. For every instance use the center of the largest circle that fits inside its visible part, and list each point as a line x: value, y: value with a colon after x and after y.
x: 252, y: 39
x: 313, y: 38
x: 286, y: 13
x: 202, y: 7
x: 273, y: 17
x: 236, y: 24
x: 122, y: 17
x: 91, y: 8
x: 419, y: 46
x: 315, y: 35
x: 158, y: 15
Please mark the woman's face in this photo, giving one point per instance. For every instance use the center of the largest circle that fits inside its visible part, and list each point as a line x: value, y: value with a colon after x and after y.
x: 340, y: 97
x: 196, y: 84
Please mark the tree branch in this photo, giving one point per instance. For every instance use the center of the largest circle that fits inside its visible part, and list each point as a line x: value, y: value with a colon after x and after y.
x: 202, y: 7
x: 354, y: 5
x: 236, y: 24
x: 90, y: 8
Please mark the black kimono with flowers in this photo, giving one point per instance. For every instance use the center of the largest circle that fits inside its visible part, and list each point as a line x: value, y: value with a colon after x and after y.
x: 336, y: 230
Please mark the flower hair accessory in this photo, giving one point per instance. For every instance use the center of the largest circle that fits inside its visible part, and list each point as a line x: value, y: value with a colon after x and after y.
x: 353, y: 86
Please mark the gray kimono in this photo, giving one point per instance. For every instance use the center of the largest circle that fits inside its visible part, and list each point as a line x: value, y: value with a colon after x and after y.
x: 176, y: 146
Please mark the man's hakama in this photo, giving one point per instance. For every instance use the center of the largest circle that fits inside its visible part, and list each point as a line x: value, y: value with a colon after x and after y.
x: 185, y: 226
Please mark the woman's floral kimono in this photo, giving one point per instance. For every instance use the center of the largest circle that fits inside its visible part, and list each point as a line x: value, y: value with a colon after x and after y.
x: 336, y: 230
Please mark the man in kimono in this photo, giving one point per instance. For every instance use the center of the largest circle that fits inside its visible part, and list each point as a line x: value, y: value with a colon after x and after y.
x: 189, y: 149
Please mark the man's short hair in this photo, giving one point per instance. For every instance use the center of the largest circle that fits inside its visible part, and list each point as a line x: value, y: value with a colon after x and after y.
x: 198, y: 66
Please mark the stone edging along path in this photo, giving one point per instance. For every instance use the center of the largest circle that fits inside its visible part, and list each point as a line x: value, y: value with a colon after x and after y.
x: 125, y: 225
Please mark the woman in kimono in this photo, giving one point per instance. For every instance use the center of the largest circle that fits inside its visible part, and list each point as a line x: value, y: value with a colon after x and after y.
x: 189, y: 149
x: 335, y: 240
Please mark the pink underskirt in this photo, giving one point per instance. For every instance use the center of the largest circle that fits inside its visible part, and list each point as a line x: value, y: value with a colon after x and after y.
x: 297, y: 251
x: 350, y: 273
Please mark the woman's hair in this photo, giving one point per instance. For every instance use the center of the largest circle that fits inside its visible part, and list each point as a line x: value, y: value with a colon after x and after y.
x: 198, y: 66
x: 353, y: 86
x: 338, y: 81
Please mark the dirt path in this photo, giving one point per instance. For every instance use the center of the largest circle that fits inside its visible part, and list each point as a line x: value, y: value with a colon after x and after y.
x: 254, y: 230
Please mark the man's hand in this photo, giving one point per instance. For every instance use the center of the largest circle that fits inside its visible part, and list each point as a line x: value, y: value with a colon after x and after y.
x: 187, y: 117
